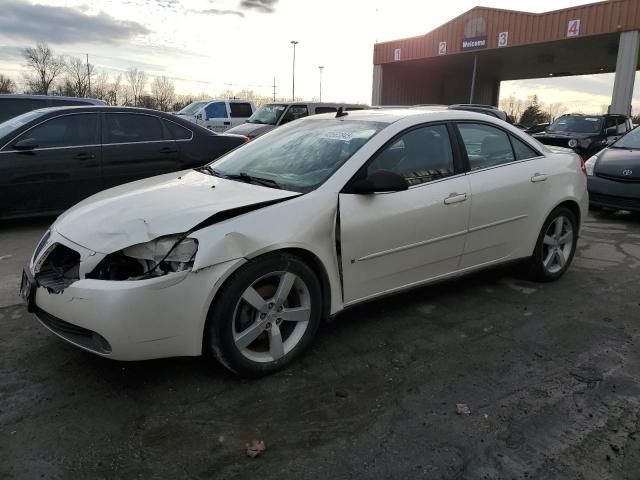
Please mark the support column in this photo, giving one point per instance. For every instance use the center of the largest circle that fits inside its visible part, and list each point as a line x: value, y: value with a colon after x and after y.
x: 626, y: 66
x: 376, y: 93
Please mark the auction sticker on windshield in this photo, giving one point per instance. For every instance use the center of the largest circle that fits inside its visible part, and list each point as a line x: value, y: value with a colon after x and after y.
x: 344, y: 136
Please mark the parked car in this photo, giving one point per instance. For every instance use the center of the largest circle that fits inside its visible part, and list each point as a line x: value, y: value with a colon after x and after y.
x: 614, y: 174
x: 12, y: 105
x: 537, y: 128
x: 55, y: 157
x: 272, y: 115
x: 218, y: 115
x: 486, y: 109
x: 586, y: 134
x: 241, y: 260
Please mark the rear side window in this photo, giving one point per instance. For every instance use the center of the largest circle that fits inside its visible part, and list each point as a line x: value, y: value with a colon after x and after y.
x: 240, y: 110
x: 12, y: 107
x: 320, y: 110
x: 622, y: 125
x: 65, y: 131
x: 522, y: 150
x: 486, y: 146
x: 420, y: 155
x: 130, y: 128
x: 178, y: 132
x: 216, y: 110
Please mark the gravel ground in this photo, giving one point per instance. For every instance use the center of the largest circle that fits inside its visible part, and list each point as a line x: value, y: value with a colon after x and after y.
x: 550, y: 374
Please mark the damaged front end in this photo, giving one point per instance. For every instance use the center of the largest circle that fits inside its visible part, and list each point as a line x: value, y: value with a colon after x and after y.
x: 57, y: 268
x: 164, y: 255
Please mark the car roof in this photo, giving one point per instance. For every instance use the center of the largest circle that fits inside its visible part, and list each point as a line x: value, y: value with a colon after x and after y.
x: 422, y: 114
x: 19, y: 96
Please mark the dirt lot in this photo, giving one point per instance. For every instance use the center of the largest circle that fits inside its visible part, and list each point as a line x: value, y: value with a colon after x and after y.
x: 551, y: 374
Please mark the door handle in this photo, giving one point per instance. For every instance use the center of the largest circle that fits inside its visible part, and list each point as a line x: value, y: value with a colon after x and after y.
x: 455, y: 198
x: 538, y: 177
x: 84, y: 156
x: 168, y: 150
x: 227, y: 123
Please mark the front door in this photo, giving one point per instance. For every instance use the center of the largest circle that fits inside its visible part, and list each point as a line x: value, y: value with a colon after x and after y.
x: 51, y: 166
x: 392, y: 240
x: 136, y: 146
x: 217, y: 117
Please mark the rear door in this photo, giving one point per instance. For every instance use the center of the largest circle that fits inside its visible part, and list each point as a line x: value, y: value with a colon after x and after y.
x: 508, y: 184
x: 393, y: 240
x: 135, y: 146
x: 239, y: 112
x: 61, y: 168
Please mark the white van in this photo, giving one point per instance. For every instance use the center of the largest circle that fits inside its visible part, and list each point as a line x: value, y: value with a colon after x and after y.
x: 272, y: 115
x: 218, y: 115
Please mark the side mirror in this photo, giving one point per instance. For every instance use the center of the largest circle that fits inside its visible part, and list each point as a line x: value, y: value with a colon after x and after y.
x: 25, y: 144
x: 380, y: 181
x: 611, y: 131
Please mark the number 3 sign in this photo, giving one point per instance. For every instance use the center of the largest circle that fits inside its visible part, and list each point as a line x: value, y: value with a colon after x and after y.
x: 573, y: 28
x: 503, y: 39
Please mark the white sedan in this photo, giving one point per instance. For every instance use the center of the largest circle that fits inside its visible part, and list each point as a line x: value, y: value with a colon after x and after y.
x: 242, y: 259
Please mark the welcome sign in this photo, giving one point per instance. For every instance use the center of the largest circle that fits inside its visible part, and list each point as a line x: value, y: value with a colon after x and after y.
x: 474, y: 43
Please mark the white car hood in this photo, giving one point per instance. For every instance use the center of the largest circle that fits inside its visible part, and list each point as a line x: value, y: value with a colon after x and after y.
x: 141, y: 211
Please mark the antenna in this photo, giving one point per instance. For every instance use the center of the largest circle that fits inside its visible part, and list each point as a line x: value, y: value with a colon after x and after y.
x: 341, y: 113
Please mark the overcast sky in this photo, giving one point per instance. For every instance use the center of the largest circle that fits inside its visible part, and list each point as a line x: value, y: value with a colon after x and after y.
x: 213, y: 45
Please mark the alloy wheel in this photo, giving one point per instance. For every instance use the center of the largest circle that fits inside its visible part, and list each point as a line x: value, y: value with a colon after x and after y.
x: 557, y: 244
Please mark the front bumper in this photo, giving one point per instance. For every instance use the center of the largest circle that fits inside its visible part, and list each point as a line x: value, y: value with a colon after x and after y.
x: 132, y: 319
x: 611, y: 194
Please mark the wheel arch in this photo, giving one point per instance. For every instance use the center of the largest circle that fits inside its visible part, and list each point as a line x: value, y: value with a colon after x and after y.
x: 308, y: 257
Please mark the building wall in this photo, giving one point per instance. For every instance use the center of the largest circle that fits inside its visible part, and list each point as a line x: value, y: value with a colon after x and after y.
x: 523, y: 27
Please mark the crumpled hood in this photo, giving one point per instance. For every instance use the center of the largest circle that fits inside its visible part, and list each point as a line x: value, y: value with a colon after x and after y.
x: 140, y: 211
x: 251, y: 130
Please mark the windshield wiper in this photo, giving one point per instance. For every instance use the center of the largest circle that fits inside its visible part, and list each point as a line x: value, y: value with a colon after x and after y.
x: 245, y: 177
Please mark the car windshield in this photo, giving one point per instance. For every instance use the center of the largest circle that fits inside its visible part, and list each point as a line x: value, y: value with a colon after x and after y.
x: 16, y: 122
x: 299, y: 156
x: 268, y: 114
x: 576, y: 124
x: 192, y: 108
x: 631, y: 140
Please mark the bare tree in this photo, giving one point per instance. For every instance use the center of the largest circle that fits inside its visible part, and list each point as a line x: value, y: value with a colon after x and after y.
x: 114, y: 91
x: 44, y: 67
x: 100, y: 86
x: 163, y: 91
x: 79, y: 74
x: 137, y: 80
x: 555, y: 110
x: 6, y: 84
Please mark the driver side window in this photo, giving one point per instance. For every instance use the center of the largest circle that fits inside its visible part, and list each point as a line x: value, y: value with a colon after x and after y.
x: 486, y: 146
x: 420, y: 155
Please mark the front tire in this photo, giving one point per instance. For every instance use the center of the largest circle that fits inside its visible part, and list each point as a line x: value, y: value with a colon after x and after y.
x: 265, y: 315
x: 556, y: 246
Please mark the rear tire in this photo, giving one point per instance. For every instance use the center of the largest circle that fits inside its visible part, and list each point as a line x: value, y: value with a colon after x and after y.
x: 264, y: 316
x: 555, y: 247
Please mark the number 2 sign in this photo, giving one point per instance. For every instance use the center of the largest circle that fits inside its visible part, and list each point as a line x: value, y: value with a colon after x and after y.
x: 573, y: 28
x: 442, y: 48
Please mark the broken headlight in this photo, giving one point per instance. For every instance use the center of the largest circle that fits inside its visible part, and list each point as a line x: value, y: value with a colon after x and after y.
x: 172, y: 253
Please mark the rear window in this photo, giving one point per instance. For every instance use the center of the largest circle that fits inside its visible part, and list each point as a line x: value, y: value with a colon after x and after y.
x: 12, y: 107
x: 320, y: 110
x: 178, y: 132
x: 576, y: 124
x: 240, y: 110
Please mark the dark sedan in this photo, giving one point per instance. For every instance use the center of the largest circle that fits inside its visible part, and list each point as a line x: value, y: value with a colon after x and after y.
x: 52, y: 158
x: 614, y: 174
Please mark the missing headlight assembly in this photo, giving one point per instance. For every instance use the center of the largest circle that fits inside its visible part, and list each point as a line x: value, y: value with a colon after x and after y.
x: 57, y: 268
x: 168, y: 254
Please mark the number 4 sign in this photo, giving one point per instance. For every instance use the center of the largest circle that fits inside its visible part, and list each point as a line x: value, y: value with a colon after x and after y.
x: 573, y: 28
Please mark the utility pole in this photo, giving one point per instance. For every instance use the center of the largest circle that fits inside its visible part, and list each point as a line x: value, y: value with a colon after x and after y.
x: 321, y: 68
x: 293, y: 83
x: 88, y: 77
x: 274, y: 89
